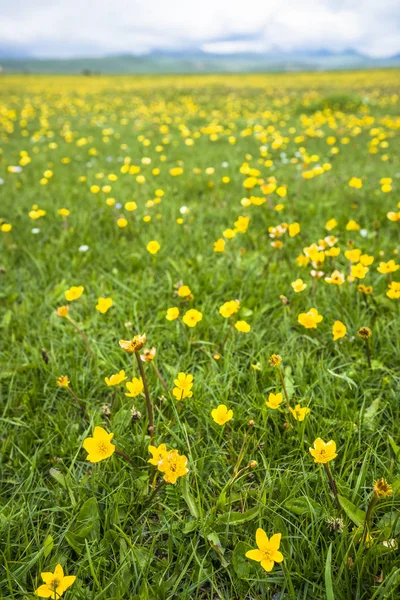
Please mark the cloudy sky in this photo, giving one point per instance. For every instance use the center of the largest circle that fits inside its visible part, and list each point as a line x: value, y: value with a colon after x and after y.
x: 71, y: 28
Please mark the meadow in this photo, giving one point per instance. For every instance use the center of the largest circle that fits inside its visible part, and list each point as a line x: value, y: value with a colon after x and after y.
x: 207, y: 268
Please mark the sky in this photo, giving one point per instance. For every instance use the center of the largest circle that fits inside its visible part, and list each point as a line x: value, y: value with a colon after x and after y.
x: 83, y: 28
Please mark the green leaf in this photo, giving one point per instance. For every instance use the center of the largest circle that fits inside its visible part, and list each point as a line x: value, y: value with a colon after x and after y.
x: 369, y: 416
x: 302, y: 505
x: 355, y: 514
x: 59, y: 477
x: 344, y: 377
x: 190, y: 501
x: 395, y: 447
x: 48, y: 546
x: 289, y: 383
x: 328, y: 575
x: 217, y: 546
x: 240, y: 563
x: 236, y: 518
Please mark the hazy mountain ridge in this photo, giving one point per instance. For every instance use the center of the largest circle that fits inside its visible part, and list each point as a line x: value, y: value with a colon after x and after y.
x: 195, y: 61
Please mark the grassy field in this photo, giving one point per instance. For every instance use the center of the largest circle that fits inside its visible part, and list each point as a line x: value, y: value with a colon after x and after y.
x: 190, y: 193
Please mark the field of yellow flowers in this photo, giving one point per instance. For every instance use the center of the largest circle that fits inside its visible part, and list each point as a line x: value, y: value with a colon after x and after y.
x: 200, y: 350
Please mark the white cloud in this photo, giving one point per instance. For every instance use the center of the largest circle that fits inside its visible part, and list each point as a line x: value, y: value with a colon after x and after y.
x: 76, y: 27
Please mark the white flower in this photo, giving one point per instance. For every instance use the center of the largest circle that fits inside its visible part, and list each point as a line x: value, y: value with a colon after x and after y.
x: 118, y: 205
x: 36, y: 230
x: 1, y: 181
x: 225, y: 164
x: 83, y: 248
x: 183, y: 210
x: 363, y: 233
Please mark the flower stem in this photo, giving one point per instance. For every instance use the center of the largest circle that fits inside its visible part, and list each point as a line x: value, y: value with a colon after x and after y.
x: 124, y: 455
x: 284, y: 387
x: 149, y: 404
x: 368, y: 353
x: 332, y: 485
x: 83, y: 336
x: 78, y: 400
x: 160, y: 377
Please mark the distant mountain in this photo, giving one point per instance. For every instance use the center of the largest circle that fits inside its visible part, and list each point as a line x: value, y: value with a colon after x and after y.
x: 196, y: 61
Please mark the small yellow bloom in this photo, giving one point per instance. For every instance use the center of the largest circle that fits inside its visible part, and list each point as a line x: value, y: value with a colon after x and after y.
x: 130, y: 206
x: 55, y: 584
x: 133, y: 345
x: 221, y: 414
x: 176, y: 171
x: 267, y: 552
x: 63, y: 212
x: 323, y: 452
x: 336, y: 278
x: 394, y: 290
x: 99, y: 447
x: 62, y: 311
x: 338, y: 330
x: 310, y: 319
x: 153, y: 247
x: 299, y: 413
x: 74, y: 292
x: 275, y: 360
x: 229, y: 308
x: 274, y: 400
x: 242, y: 326
x: 184, y: 291
x: 364, y: 333
x: 148, y: 354
x: 183, y: 386
x: 331, y: 224
x: 192, y: 317
x: 173, y: 466
x: 116, y: 378
x: 122, y: 222
x: 294, y: 229
x: 298, y: 285
x: 103, y: 304
x: 6, y: 227
x: 382, y: 488
x: 219, y: 245
x: 388, y: 267
x: 172, y: 313
x: 63, y: 381
x: 157, y: 454
x: 352, y: 225
x: 355, y: 182
x: 359, y: 271
x: 135, y: 387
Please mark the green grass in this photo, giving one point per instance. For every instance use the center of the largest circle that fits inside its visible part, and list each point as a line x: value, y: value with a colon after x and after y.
x: 189, y: 540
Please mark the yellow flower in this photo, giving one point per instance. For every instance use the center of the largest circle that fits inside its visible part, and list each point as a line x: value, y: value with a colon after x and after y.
x: 323, y: 452
x: 352, y: 225
x: 63, y: 381
x: 184, y: 291
x: 172, y: 313
x: 355, y: 182
x: 359, y: 271
x: 331, y: 224
x: 176, y: 171
x: 310, y: 319
x: 63, y: 212
x: 382, y: 488
x: 103, y: 304
x: 267, y: 552
x: 130, y: 206
x: 394, y: 290
x: 229, y: 308
x: 365, y: 289
x: 133, y: 345
x: 153, y: 247
x: 274, y: 400
x: 192, y: 317
x: 353, y: 255
x: 229, y: 233
x: 62, y: 311
x: 6, y: 227
x: 122, y: 222
x: 116, y: 378
x: 338, y: 330
x: 173, y: 466
x: 184, y: 384
x: 135, y: 387
x: 242, y: 224
x: 364, y: 333
x: 219, y: 245
x: 275, y: 360
x: 99, y: 447
x: 148, y: 355
x: 336, y: 278
x: 388, y: 267
x: 157, y: 454
x: 221, y: 414
x: 366, y: 260
x: 294, y: 229
x: 55, y: 584
x: 299, y: 413
x: 74, y: 293
x: 242, y: 326
x: 298, y: 285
